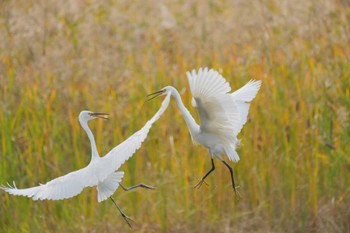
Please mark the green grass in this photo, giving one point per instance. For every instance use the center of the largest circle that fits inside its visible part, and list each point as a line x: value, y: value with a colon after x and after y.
x: 58, y: 59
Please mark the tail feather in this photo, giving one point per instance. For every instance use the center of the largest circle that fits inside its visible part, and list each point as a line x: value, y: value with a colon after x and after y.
x: 231, y: 153
x: 106, y: 188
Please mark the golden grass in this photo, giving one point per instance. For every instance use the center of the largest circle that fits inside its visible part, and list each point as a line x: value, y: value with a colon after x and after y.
x: 58, y: 58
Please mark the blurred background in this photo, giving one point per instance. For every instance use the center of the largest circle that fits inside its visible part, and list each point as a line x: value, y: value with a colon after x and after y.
x: 60, y: 57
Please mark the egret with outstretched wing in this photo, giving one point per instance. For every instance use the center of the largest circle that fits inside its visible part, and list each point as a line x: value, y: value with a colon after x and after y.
x: 100, y: 172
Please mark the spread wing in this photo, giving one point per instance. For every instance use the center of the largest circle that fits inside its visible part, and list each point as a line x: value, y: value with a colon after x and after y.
x: 118, y: 155
x: 218, y: 113
x: 243, y: 96
x: 63, y: 187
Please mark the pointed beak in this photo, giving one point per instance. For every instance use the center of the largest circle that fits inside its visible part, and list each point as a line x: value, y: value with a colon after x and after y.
x: 155, y: 94
x: 101, y: 115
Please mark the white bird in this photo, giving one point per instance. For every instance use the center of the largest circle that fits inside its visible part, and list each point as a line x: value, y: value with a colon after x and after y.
x: 100, y: 172
x: 222, y: 114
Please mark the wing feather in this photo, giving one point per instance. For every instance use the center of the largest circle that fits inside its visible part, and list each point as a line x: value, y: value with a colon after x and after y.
x: 118, y: 155
x: 248, y: 92
x: 243, y: 96
x: 63, y: 187
x: 218, y: 113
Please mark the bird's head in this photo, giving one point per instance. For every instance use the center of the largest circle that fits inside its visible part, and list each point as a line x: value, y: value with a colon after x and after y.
x: 85, y: 116
x: 164, y: 91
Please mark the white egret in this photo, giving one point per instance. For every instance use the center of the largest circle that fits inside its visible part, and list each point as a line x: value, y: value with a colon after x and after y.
x: 100, y: 171
x: 222, y: 114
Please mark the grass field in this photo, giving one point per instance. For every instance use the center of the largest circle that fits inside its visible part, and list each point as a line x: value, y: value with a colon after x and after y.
x: 60, y: 57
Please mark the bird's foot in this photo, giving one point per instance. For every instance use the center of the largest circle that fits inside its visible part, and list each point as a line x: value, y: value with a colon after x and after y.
x: 199, y: 184
x: 127, y: 219
x: 238, y: 195
x: 145, y: 186
x: 137, y: 186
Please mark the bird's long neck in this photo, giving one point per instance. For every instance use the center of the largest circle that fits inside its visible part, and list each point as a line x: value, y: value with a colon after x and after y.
x: 92, y: 140
x: 191, y: 123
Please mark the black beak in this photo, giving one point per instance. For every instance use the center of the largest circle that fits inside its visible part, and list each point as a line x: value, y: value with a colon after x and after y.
x: 155, y: 94
x: 100, y: 115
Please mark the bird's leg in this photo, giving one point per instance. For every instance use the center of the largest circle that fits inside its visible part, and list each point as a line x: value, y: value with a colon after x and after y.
x: 199, y: 184
x: 137, y: 186
x: 233, y: 181
x: 126, y: 218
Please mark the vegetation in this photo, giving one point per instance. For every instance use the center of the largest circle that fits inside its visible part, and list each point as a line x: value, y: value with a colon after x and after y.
x: 58, y: 58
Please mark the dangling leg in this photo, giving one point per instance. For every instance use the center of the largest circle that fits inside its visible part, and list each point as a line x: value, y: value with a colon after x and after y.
x: 199, y: 184
x: 126, y: 218
x: 137, y: 186
x: 232, y: 179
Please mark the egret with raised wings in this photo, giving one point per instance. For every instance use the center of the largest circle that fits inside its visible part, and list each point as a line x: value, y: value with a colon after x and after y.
x: 222, y: 114
x: 100, y: 172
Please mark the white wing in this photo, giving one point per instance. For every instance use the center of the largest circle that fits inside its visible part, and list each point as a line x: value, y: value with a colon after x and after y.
x: 63, y: 187
x: 218, y: 113
x: 118, y: 155
x: 243, y: 96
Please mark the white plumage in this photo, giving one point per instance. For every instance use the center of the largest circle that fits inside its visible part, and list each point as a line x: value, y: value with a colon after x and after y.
x: 100, y: 171
x: 218, y: 113
x: 222, y: 114
x: 242, y: 98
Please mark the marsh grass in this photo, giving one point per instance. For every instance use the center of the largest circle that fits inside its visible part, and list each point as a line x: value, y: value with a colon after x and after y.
x: 58, y: 58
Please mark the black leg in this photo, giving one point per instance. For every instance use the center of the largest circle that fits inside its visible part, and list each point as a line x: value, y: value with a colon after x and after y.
x: 231, y: 172
x: 137, y: 186
x: 199, y: 184
x: 126, y: 218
